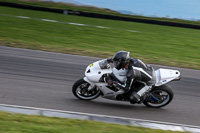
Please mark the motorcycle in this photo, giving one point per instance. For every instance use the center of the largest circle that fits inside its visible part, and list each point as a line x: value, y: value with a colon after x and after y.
x: 94, y: 84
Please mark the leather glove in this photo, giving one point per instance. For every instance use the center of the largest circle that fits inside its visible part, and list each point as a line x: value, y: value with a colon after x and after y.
x: 109, y: 60
x: 115, y: 84
x: 112, y: 83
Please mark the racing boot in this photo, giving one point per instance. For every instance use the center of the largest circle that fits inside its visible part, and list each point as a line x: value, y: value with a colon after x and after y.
x: 134, y: 98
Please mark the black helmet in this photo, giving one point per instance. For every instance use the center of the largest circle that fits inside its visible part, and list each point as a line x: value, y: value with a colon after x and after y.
x: 120, y: 59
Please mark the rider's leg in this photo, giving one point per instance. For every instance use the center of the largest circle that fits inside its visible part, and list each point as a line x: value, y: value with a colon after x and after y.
x: 138, y: 90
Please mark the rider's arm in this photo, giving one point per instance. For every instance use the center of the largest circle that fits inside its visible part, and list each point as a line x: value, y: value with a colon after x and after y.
x: 129, y: 81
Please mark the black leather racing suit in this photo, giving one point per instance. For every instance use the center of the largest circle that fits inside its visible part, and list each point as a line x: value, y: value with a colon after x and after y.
x: 138, y: 72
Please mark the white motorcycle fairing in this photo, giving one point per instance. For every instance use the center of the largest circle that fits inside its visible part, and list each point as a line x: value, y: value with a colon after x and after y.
x: 96, y: 72
x: 94, y: 84
x: 164, y: 76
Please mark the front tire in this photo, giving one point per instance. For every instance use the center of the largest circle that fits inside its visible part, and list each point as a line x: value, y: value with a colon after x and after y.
x: 80, y: 90
x: 162, y: 93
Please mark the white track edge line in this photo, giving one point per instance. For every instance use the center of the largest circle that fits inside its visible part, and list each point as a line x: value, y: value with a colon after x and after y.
x: 98, y: 115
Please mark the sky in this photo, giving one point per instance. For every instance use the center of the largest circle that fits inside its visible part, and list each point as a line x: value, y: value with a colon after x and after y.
x: 184, y: 9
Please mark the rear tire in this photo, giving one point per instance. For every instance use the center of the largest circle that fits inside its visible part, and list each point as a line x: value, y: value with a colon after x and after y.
x: 80, y: 90
x: 164, y: 93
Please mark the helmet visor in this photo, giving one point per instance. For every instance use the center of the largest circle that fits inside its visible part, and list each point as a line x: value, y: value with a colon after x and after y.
x: 116, y: 63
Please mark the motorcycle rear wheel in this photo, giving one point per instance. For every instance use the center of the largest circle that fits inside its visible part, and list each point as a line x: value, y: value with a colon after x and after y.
x: 163, y: 93
x: 80, y: 90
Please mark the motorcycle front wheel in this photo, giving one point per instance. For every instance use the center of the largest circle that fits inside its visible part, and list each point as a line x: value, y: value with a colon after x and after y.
x: 159, y: 97
x: 80, y: 90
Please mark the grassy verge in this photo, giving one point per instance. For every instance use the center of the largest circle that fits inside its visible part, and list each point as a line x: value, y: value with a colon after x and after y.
x: 152, y: 43
x: 17, y: 123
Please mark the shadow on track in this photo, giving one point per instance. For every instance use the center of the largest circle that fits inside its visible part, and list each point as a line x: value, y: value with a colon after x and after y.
x: 114, y: 105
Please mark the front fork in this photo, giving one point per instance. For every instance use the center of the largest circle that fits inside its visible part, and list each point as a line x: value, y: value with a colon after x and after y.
x: 92, y: 85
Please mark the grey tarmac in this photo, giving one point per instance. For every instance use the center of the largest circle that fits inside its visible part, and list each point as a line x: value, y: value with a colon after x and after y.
x: 44, y: 79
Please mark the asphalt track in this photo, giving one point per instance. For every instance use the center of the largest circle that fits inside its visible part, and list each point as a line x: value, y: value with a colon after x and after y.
x: 43, y: 79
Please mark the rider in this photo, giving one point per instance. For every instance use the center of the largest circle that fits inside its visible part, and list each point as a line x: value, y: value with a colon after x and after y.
x: 140, y: 76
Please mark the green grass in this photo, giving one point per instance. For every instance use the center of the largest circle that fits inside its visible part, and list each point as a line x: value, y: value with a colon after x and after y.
x: 17, y: 123
x: 152, y: 43
x: 67, y: 6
